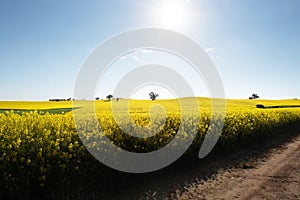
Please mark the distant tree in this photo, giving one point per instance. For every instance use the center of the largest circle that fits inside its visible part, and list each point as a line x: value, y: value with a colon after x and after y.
x: 97, y: 98
x: 255, y: 96
x: 153, y: 96
x: 109, y: 97
x: 250, y: 98
x: 69, y: 99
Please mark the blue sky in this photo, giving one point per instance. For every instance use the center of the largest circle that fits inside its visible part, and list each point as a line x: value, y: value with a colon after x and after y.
x: 254, y: 44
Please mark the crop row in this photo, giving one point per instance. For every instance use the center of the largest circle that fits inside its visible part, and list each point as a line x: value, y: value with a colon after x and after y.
x: 37, y: 151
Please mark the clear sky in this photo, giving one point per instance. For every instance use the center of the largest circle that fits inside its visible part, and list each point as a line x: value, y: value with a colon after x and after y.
x: 255, y: 44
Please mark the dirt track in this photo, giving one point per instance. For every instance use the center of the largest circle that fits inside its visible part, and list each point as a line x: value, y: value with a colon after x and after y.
x: 268, y: 169
x: 276, y: 177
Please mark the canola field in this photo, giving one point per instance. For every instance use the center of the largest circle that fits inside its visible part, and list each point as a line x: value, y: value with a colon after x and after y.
x: 39, y: 148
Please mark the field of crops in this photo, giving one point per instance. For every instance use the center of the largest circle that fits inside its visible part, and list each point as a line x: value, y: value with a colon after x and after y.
x: 42, y: 150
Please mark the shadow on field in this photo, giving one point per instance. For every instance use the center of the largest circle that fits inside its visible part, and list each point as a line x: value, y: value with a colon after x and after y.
x: 281, y: 106
x: 174, y: 178
x: 41, y: 111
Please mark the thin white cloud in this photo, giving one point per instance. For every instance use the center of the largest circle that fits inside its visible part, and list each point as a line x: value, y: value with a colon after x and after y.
x: 123, y: 57
x: 135, y: 57
x: 215, y: 57
x: 209, y: 49
x: 146, y: 51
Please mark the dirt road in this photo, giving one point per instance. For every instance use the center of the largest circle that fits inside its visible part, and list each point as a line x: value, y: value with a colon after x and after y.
x: 266, y: 169
x: 277, y: 176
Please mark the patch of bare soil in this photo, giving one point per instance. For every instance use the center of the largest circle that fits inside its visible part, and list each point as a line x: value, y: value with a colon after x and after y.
x: 265, y: 170
x: 275, y: 177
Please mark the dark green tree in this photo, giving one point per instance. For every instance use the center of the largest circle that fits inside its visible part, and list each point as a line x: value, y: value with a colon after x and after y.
x: 109, y: 97
x: 153, y: 96
x: 254, y: 96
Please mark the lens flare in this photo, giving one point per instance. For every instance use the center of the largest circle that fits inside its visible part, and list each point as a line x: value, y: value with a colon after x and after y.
x: 172, y: 14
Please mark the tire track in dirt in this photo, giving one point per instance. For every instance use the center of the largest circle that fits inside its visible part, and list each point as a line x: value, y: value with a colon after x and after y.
x: 277, y: 177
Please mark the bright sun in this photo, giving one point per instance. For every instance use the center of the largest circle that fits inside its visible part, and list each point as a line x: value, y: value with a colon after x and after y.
x: 172, y: 13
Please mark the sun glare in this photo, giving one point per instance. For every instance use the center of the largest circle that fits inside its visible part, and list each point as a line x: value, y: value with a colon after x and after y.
x: 172, y: 14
